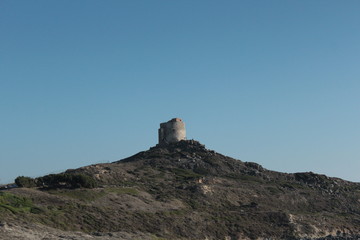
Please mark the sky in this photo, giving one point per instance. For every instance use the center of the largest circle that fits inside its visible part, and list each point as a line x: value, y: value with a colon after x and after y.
x: 87, y: 81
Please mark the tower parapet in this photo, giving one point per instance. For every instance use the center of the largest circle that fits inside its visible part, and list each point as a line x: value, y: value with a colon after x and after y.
x: 172, y: 131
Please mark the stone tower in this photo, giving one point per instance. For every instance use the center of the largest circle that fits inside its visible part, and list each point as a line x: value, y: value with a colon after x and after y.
x: 172, y: 131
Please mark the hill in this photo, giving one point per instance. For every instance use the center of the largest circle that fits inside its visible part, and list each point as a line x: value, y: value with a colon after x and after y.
x: 183, y: 191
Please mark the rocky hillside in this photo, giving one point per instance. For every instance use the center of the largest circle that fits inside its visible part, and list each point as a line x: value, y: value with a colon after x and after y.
x: 185, y: 191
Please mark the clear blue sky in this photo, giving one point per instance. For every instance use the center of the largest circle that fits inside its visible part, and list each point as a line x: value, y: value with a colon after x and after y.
x: 273, y: 82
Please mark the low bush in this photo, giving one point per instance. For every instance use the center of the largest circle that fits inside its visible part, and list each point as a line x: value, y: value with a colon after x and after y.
x: 27, y: 182
x: 66, y: 180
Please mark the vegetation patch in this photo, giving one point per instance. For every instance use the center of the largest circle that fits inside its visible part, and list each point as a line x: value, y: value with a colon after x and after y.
x: 274, y: 190
x: 90, y: 195
x: 243, y: 177
x: 61, y: 180
x: 66, y: 180
x: 122, y: 190
x: 15, y: 204
x: 184, y: 173
x: 23, y: 181
x: 85, y: 195
x: 176, y: 212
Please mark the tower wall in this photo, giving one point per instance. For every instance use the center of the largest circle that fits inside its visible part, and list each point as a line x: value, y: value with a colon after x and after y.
x: 172, y: 131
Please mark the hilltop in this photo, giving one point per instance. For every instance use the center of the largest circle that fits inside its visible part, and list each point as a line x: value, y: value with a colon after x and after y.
x: 184, y: 191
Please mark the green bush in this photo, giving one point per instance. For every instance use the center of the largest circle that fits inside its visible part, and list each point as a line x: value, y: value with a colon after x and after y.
x: 66, y: 180
x: 27, y: 182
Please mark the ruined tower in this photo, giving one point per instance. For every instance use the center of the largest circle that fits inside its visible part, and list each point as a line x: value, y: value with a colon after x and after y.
x: 172, y: 131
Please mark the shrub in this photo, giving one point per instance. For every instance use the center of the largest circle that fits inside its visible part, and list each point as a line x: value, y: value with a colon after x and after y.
x: 66, y: 180
x: 27, y: 182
